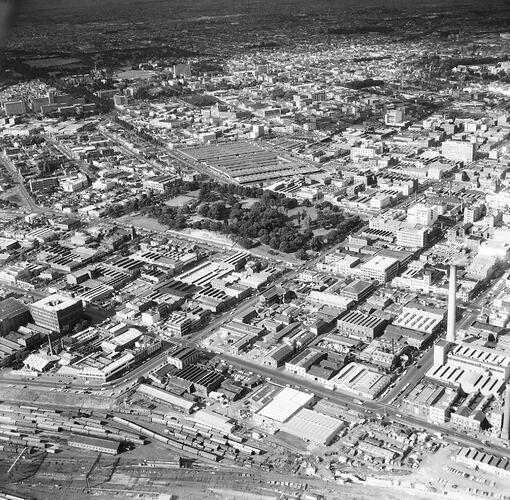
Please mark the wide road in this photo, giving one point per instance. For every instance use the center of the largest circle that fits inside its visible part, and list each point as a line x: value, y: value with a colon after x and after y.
x: 410, y: 377
x: 346, y: 400
x: 18, y: 179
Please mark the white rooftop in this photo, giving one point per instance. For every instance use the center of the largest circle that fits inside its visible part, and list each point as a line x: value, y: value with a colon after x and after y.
x: 313, y: 426
x: 285, y: 404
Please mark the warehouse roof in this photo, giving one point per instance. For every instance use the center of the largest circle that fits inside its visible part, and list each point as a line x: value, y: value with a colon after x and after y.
x: 11, y: 307
x: 214, y: 420
x: 285, y: 404
x: 94, y: 441
x: 166, y: 397
x: 313, y: 426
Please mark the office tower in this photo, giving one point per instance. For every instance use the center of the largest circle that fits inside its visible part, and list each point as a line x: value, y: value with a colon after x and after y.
x: 57, y: 312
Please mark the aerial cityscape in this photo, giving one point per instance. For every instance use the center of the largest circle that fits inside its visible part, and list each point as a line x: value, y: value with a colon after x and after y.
x: 255, y: 250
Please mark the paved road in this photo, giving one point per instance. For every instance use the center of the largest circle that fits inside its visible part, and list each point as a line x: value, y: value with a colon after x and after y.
x: 16, y: 177
x: 346, y: 400
x: 161, y: 169
x: 82, y: 165
x: 411, y: 376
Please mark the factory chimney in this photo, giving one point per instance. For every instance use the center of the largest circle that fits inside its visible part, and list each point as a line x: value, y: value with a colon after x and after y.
x: 452, y: 304
x: 505, y: 433
x: 50, y: 346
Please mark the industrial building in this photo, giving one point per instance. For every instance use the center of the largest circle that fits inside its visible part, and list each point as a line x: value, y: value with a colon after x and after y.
x: 89, y: 443
x: 183, y: 356
x: 313, y: 426
x: 484, y: 461
x: 470, y: 367
x: 202, y: 381
x: 360, y: 325
x: 246, y: 163
x: 215, y: 421
x: 361, y: 380
x: 173, y: 400
x: 13, y: 314
x: 416, y: 317
x: 57, y: 312
x: 431, y: 401
x: 282, y: 407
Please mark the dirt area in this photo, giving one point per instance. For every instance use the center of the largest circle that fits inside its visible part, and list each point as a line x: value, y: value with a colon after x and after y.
x: 454, y: 478
x: 13, y: 196
x: 58, y: 399
x: 181, y: 200
x: 144, y: 222
x: 248, y: 202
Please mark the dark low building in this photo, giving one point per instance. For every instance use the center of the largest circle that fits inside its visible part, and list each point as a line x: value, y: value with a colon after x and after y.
x: 13, y: 314
x: 202, y: 380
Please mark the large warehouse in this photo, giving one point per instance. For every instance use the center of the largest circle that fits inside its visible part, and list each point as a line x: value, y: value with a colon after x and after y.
x: 247, y: 163
x: 361, y: 380
x: 313, y: 426
x: 283, y: 406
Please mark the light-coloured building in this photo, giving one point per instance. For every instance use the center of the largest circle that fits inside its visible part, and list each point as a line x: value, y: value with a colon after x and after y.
x: 282, y: 407
x: 458, y: 150
x: 413, y: 237
x: 380, y: 268
x: 56, y: 312
x: 361, y: 380
x: 422, y: 214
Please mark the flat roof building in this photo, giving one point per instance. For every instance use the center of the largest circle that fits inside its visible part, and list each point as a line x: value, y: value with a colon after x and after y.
x: 94, y: 444
x: 13, y: 314
x: 313, y: 426
x: 283, y: 406
x: 57, y: 312
x: 167, y: 397
x: 358, y: 290
x: 380, y: 268
x: 361, y: 380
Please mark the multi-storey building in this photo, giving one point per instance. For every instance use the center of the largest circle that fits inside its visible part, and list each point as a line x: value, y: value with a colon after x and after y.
x: 57, y: 312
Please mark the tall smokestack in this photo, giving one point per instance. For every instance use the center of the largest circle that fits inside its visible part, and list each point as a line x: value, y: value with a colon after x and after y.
x: 505, y: 433
x: 452, y: 304
x: 50, y: 346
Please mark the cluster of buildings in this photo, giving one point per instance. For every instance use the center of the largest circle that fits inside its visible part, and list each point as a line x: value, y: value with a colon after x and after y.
x: 420, y: 295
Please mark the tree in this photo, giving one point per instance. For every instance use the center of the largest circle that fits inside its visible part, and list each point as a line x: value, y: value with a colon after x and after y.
x: 203, y: 210
x: 301, y: 254
x: 316, y: 243
x: 274, y: 243
x: 284, y: 247
x: 218, y: 211
x: 245, y: 242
